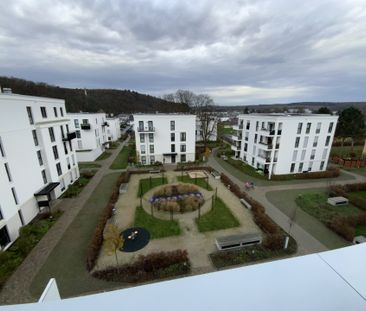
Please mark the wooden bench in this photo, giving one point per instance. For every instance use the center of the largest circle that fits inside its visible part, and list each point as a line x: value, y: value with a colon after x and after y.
x: 238, y: 241
x: 156, y: 171
x: 245, y: 203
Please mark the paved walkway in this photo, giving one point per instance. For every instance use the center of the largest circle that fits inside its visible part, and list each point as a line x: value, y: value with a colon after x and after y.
x: 306, y: 242
x: 16, y: 289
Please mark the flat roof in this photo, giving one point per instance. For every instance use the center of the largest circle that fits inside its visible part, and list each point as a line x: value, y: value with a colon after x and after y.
x: 287, y: 115
x: 14, y: 96
x: 85, y: 113
x: 332, y: 280
x: 47, y: 189
x: 165, y: 114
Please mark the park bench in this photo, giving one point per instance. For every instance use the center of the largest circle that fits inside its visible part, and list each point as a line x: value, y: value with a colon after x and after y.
x: 245, y: 203
x: 238, y: 241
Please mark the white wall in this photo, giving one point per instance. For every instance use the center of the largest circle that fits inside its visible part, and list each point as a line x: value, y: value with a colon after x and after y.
x: 114, y: 129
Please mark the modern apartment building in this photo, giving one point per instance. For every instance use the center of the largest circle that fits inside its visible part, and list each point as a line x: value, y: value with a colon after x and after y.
x: 114, y: 129
x: 167, y: 138
x: 37, y: 159
x: 91, y: 134
x: 284, y: 143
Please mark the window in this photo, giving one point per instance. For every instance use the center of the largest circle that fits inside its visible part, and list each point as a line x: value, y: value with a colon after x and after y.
x: 248, y: 125
x: 78, y: 135
x: 151, y: 137
x: 310, y: 166
x: 297, y: 142
x: 182, y: 148
x: 306, y: 140
x: 318, y: 127
x: 62, y: 131
x: 68, y: 163
x: 30, y: 115
x: 327, y: 141
x: 172, y: 148
x: 143, y: 149
x: 315, y: 143
x: 299, y: 128
x: 183, y: 158
x: 2, y: 152
x: 80, y: 144
x: 150, y: 125
x: 58, y: 168
x: 73, y: 160
x: 55, y: 112
x: 292, y: 169
x: 303, y: 152
x: 7, y: 171
x: 15, y: 195
x: 39, y: 156
x: 35, y: 138
x: 301, y: 167
x: 151, y: 148
x: 141, y: 125
x: 312, y: 156
x: 330, y: 128
x: 4, y: 237
x: 52, y: 134
x: 44, y: 177
x: 65, y: 148
x: 172, y: 136
x: 62, y: 184
x: 245, y: 147
x: 43, y: 112
x: 324, y: 155
x: 308, y: 127
x: 152, y: 159
x: 67, y: 129
x: 294, y: 155
x: 322, y: 165
x: 255, y: 138
x: 183, y: 136
x: 76, y: 123
x: 55, y: 152
x: 172, y: 125
x: 246, y: 136
x: 61, y: 112
x: 142, y: 138
x: 143, y: 159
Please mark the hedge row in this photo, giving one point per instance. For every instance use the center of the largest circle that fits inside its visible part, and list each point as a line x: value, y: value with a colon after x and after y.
x: 151, y: 266
x: 193, y: 167
x: 274, y: 236
x: 345, y: 226
x: 97, y: 240
x: 330, y: 173
x: 344, y: 190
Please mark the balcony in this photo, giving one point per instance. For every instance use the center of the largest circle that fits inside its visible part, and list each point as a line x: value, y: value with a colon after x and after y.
x: 70, y: 136
x: 235, y: 137
x: 235, y: 148
x: 85, y: 126
x: 146, y: 129
x: 105, y: 124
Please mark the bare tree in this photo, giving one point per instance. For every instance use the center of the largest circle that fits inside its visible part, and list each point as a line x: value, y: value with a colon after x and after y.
x: 185, y: 97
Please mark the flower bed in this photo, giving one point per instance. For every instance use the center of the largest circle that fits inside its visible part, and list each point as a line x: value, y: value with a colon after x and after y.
x: 177, y: 198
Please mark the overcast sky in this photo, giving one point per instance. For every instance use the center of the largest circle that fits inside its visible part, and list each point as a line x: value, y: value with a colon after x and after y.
x: 239, y: 52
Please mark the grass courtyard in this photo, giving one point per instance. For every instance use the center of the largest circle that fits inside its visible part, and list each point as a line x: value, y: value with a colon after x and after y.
x: 200, y: 182
x: 147, y: 184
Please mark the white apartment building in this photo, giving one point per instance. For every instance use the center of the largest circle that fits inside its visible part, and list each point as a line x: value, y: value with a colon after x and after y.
x: 166, y: 138
x: 37, y: 160
x: 285, y: 143
x: 211, y: 130
x: 114, y: 129
x: 91, y: 134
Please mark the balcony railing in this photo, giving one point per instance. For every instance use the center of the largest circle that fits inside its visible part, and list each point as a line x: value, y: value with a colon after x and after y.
x: 85, y: 126
x: 70, y: 136
x: 105, y: 124
x: 146, y: 129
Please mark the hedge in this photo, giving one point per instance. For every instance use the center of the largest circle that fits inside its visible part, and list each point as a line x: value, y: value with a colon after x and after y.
x: 330, y: 173
x: 344, y: 191
x: 151, y: 266
x: 345, y: 226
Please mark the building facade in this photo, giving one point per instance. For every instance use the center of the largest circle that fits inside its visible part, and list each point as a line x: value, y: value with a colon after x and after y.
x: 114, y: 129
x: 281, y: 144
x: 165, y: 138
x: 37, y: 159
x: 91, y: 134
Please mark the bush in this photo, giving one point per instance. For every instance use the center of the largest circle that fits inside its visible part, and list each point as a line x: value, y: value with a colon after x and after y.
x: 330, y: 173
x: 346, y: 190
x: 151, y: 266
x: 345, y: 226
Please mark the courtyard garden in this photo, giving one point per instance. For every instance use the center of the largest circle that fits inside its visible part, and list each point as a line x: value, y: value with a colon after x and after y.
x: 125, y: 156
x: 79, y: 184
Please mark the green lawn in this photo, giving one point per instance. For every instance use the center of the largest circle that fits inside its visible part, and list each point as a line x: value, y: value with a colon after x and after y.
x: 245, y: 168
x: 88, y: 165
x: 121, y: 161
x: 114, y: 145
x: 358, y: 194
x: 158, y: 228
x: 103, y: 156
x: 225, y: 130
x: 217, y: 218
x: 315, y: 205
x: 148, y: 183
x: 30, y: 235
x: 79, y: 184
x: 201, y: 182
x: 66, y: 262
x: 360, y: 230
x: 360, y: 170
x: 346, y: 151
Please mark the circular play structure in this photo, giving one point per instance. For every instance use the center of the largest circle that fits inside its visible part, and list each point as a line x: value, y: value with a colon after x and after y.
x: 135, y: 239
x: 177, y: 198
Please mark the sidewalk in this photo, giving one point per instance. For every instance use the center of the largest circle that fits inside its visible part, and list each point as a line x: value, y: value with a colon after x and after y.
x: 16, y: 289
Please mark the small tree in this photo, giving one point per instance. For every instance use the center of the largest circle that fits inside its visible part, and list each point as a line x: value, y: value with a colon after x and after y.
x: 324, y: 110
x: 351, y: 123
x: 113, y: 240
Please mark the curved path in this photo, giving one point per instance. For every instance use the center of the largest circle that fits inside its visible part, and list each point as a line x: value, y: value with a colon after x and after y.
x: 306, y: 242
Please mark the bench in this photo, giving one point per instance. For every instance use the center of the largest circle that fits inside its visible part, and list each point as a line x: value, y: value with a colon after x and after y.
x: 155, y: 171
x: 238, y: 241
x: 245, y: 203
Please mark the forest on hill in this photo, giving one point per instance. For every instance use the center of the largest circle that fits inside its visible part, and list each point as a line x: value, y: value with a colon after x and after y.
x: 94, y: 100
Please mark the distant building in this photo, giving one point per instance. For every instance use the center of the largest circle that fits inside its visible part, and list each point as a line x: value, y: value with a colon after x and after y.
x: 113, y: 129
x: 167, y: 138
x: 91, y: 134
x: 37, y: 159
x: 284, y: 143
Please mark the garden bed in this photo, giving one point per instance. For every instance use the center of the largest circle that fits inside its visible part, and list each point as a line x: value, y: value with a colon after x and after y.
x: 79, y: 184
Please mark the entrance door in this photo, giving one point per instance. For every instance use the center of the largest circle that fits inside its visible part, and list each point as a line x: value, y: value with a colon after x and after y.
x: 173, y: 158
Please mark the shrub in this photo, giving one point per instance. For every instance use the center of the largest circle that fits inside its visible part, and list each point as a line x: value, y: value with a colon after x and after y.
x: 330, y: 173
x: 151, y: 266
